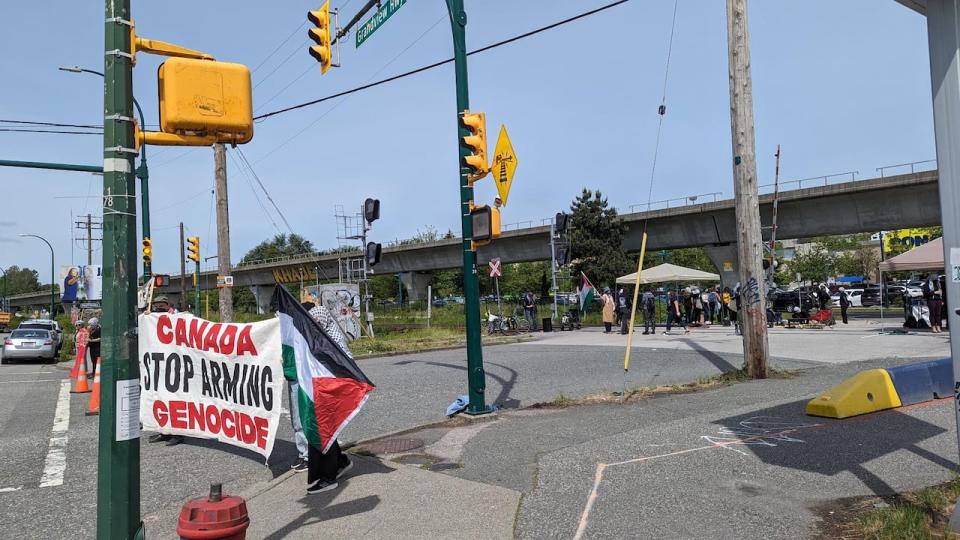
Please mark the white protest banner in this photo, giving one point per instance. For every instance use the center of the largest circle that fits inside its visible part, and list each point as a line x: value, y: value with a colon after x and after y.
x: 211, y: 380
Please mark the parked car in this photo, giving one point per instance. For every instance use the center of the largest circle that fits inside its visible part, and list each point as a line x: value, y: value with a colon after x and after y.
x: 783, y: 301
x: 439, y: 302
x: 45, y: 324
x: 855, y: 296
x: 29, y: 344
x: 456, y: 300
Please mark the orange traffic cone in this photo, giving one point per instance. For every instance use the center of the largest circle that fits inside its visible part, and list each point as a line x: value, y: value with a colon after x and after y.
x: 80, y: 385
x: 95, y: 396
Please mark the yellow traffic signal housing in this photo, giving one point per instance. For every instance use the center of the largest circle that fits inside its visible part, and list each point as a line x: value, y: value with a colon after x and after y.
x: 486, y: 224
x: 322, y: 51
x: 476, y: 141
x: 193, y: 248
x: 147, y: 249
x: 205, y: 98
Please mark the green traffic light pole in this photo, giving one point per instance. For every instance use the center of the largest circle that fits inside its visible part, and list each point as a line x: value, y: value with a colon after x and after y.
x: 118, y: 458
x: 476, y: 378
x: 53, y: 279
x: 142, y: 172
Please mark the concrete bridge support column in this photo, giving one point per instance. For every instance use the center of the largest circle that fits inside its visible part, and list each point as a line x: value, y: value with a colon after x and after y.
x: 416, y: 284
x: 263, y: 294
x: 724, y: 257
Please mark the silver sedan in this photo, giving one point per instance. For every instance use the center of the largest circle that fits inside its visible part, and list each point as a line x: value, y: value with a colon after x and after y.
x: 23, y: 344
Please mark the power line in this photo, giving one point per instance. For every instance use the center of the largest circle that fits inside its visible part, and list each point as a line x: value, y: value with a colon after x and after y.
x: 58, y: 132
x: 54, y: 124
x: 265, y: 192
x: 280, y: 46
x: 254, y: 191
x: 442, y: 62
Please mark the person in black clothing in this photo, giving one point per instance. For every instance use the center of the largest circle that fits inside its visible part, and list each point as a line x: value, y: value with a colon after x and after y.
x: 844, y: 304
x: 933, y: 294
x: 93, y: 345
x: 824, y: 296
x: 624, y: 307
x: 649, y: 313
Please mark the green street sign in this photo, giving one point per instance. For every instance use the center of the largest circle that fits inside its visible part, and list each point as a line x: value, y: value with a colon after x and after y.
x: 374, y: 23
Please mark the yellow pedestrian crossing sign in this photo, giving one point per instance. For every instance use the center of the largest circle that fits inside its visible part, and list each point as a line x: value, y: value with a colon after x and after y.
x: 504, y: 164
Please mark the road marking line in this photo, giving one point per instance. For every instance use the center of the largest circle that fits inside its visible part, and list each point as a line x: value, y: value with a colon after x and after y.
x: 30, y: 373
x: 10, y: 489
x: 56, y: 462
x: 32, y: 381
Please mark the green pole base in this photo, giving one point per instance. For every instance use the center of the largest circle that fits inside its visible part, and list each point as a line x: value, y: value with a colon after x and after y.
x: 487, y: 409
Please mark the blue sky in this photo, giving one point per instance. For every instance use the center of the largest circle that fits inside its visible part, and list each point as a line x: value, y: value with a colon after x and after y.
x: 841, y: 86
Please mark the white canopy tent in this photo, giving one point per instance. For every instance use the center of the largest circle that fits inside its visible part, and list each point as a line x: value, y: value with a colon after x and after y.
x: 668, y: 272
x: 926, y: 257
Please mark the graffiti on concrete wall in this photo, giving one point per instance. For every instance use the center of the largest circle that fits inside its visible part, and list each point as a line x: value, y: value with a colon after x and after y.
x: 343, y: 301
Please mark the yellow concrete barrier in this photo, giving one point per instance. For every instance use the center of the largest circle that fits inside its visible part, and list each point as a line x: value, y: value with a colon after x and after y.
x: 866, y: 392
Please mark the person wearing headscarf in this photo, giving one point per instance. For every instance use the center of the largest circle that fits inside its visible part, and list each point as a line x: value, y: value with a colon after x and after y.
x: 608, y: 306
x: 844, y: 304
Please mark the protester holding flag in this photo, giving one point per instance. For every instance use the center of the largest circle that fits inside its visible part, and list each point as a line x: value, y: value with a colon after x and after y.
x: 331, y: 388
x: 587, y: 292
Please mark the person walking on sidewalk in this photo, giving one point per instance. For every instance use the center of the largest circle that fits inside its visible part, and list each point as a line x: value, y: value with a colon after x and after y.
x: 844, y: 304
x: 649, y: 306
x: 609, y: 310
x: 93, y: 345
x: 324, y: 469
x: 293, y: 390
x: 726, y: 297
x: 675, y: 314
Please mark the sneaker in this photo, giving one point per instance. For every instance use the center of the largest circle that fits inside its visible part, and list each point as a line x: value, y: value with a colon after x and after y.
x: 299, y: 466
x: 321, y: 485
x: 342, y: 470
x: 646, y: 333
x: 667, y: 333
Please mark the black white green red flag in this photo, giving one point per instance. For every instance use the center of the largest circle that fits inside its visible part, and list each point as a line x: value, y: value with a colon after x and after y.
x: 332, y: 387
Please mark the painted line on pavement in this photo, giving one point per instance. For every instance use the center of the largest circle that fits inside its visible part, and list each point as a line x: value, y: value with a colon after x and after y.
x: 10, y: 489
x: 56, y: 462
x: 32, y: 381
x: 29, y: 373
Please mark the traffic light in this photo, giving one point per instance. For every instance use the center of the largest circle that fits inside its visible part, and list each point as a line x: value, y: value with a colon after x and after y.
x: 486, y: 224
x: 476, y: 162
x: 373, y: 251
x: 321, y: 35
x: 193, y: 248
x: 147, y: 249
x: 371, y: 210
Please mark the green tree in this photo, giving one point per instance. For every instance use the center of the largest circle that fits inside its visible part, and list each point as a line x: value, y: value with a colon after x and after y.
x: 817, y: 264
x: 22, y: 280
x: 596, y: 239
x: 281, y: 245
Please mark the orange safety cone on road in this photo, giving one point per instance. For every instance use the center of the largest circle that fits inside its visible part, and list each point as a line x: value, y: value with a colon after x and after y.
x: 94, y: 407
x: 81, y: 357
x: 80, y: 384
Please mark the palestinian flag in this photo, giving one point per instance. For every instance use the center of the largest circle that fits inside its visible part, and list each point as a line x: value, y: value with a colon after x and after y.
x: 586, y: 291
x: 332, y: 387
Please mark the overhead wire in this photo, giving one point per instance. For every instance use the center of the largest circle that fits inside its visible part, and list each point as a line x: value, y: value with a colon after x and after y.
x: 254, y: 191
x: 442, y: 62
x: 53, y: 124
x: 58, y: 132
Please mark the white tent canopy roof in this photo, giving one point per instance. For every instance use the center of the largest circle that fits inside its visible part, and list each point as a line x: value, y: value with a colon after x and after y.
x: 668, y: 272
x: 926, y: 257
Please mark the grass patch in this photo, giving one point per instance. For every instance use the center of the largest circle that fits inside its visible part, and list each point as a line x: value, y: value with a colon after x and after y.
x: 643, y: 392
x: 912, y: 515
x: 418, y: 339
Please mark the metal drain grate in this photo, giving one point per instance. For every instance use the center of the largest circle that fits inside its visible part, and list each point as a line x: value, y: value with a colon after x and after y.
x: 393, y: 446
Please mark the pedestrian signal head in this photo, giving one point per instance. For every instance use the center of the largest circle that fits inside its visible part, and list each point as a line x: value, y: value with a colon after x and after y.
x: 373, y: 250
x: 476, y: 162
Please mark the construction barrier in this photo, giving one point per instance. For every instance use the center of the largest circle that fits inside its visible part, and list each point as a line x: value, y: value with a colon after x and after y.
x: 878, y: 389
x: 865, y: 392
x: 94, y: 407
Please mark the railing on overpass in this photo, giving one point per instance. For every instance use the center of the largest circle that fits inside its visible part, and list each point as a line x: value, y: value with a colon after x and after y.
x: 915, y: 166
x: 813, y: 179
x: 688, y: 200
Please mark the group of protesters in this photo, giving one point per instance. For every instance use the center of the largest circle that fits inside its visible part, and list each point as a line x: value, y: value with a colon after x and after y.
x: 688, y: 307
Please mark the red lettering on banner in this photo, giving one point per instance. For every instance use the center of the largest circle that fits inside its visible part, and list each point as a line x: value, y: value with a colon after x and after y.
x: 228, y: 339
x: 231, y: 430
x: 210, y: 419
x: 210, y: 342
x: 245, y: 343
x: 164, y: 324
x: 180, y: 332
x: 197, y: 326
x: 160, y: 412
x: 178, y: 414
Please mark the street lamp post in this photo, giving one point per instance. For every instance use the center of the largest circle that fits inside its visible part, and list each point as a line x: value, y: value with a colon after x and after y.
x: 53, y: 280
x: 142, y: 172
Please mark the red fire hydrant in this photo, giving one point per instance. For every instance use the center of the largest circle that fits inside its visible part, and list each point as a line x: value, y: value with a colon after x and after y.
x: 214, y: 518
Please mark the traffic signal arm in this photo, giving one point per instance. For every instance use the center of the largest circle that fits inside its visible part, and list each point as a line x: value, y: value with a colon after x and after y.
x: 163, y: 48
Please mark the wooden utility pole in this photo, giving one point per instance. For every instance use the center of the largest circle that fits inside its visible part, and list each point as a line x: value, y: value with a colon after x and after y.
x: 183, y: 272
x: 749, y: 239
x: 223, y: 230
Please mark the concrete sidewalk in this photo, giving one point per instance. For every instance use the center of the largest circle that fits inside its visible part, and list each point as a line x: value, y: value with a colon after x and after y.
x: 381, y: 499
